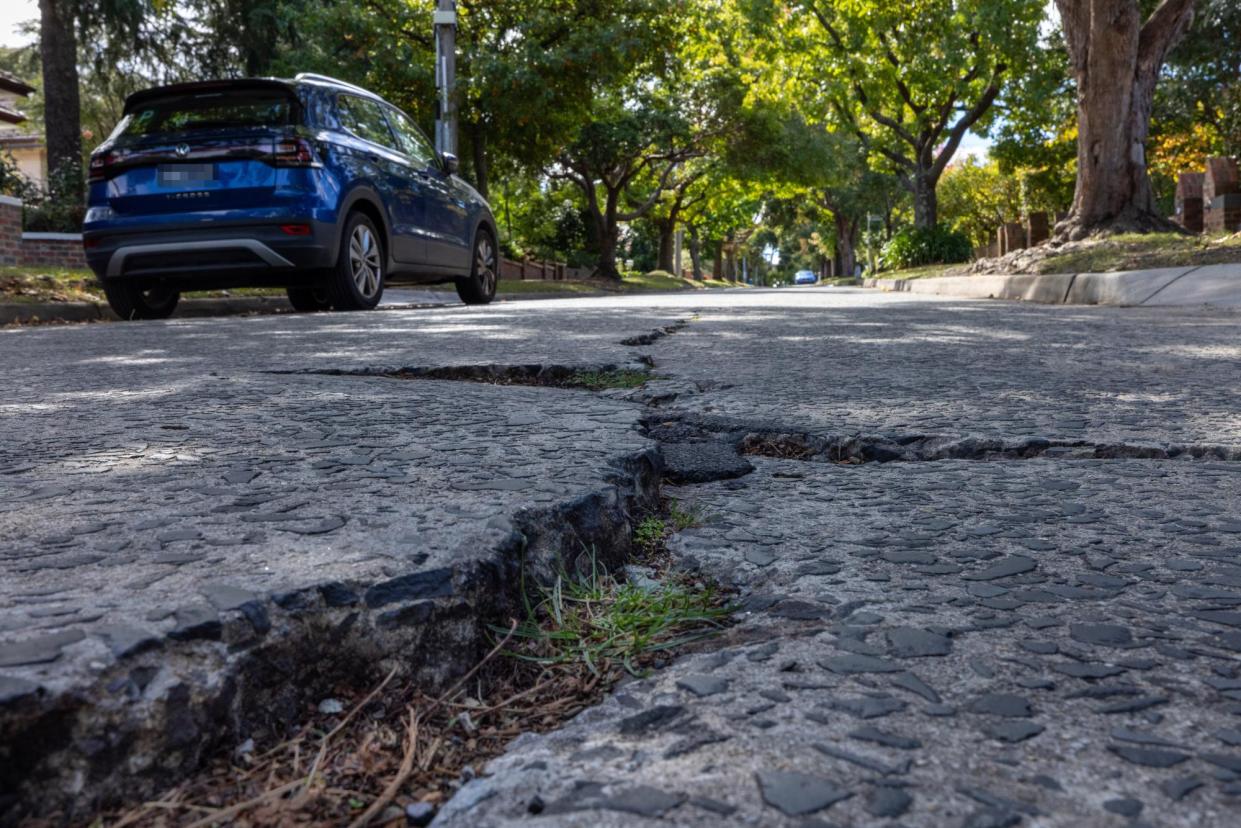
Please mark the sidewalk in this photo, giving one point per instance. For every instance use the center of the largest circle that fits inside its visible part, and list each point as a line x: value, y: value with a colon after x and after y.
x: 1214, y: 285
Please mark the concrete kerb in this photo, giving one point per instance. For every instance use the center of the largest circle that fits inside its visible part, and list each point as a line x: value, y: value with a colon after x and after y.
x: 1218, y: 285
x: 1131, y: 287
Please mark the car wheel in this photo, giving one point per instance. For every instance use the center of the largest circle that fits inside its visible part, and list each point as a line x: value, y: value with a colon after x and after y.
x: 309, y: 300
x: 130, y: 301
x: 357, y: 282
x: 479, y: 288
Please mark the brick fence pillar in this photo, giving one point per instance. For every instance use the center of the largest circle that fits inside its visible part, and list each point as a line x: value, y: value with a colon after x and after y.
x: 1037, y: 229
x: 10, y: 230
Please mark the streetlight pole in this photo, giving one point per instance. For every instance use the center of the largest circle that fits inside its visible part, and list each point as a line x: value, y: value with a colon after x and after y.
x: 445, y: 76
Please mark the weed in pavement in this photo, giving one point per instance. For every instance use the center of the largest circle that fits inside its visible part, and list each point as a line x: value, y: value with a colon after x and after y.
x: 649, y: 536
x: 603, y: 623
x: 602, y: 380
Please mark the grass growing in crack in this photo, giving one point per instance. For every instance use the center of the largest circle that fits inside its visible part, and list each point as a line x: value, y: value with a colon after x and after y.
x: 649, y: 536
x: 683, y: 518
x: 602, y: 380
x: 600, y: 622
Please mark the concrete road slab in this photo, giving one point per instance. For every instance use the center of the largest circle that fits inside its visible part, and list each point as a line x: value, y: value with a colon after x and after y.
x: 188, y: 518
x: 1036, y: 642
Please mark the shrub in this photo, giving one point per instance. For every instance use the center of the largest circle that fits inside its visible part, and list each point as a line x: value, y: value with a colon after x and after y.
x: 914, y: 247
x: 53, y: 216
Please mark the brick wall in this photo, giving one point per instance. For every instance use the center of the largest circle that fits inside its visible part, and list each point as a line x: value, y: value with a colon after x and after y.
x: 35, y: 249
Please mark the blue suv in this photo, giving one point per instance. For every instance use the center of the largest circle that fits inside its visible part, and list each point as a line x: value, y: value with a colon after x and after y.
x: 310, y: 184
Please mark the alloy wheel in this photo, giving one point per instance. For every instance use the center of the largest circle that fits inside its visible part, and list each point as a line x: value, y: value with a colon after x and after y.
x: 364, y: 261
x: 485, y: 266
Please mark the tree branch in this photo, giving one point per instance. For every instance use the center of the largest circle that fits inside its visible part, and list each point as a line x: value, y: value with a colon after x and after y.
x: 1162, y: 30
x: 646, y: 206
x: 968, y: 120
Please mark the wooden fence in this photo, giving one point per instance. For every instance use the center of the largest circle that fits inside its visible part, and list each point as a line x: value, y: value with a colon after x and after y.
x: 535, y: 270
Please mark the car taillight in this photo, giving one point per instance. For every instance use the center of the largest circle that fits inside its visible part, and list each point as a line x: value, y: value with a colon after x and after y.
x: 100, y: 165
x: 295, y: 229
x: 294, y: 152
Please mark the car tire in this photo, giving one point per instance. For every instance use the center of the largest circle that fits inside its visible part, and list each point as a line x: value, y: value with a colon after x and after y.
x: 479, y: 288
x: 129, y: 301
x: 309, y: 300
x: 357, y: 281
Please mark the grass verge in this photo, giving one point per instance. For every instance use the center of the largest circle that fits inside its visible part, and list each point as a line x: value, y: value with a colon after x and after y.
x: 26, y: 285
x: 1144, y: 251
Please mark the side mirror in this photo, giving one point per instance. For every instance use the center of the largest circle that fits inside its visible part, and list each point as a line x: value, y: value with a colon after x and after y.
x: 451, y: 163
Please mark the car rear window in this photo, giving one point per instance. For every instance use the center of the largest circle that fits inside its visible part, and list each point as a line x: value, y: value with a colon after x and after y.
x: 240, y: 109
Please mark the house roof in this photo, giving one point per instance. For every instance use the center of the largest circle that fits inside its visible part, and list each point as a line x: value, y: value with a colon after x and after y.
x: 12, y: 84
x: 12, y: 140
x: 11, y: 116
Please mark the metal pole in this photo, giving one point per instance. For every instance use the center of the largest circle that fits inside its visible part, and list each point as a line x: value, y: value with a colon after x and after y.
x: 446, y: 76
x: 679, y: 240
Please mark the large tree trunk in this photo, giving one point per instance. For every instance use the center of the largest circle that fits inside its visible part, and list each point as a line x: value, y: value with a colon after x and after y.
x: 609, y: 238
x: 608, y: 243
x: 846, y: 245
x: 695, y: 252
x: 1116, y: 61
x: 667, y: 244
x: 717, y: 267
x: 58, y: 51
x: 926, y: 202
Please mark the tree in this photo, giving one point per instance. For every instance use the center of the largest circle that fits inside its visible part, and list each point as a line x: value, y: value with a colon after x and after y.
x: 527, y: 73
x: 910, y: 79
x: 58, y: 51
x: 631, y: 136
x: 680, y: 197
x: 1116, y: 58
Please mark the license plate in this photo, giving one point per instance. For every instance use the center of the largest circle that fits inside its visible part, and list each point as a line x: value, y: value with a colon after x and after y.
x: 178, y: 174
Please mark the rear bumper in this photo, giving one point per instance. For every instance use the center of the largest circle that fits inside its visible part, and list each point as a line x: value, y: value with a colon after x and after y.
x: 213, y: 256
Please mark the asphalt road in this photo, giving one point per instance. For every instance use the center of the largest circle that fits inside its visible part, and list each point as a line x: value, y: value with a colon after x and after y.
x: 1040, y: 627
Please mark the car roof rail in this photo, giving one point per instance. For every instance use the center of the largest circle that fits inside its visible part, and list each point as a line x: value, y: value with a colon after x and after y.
x: 315, y: 78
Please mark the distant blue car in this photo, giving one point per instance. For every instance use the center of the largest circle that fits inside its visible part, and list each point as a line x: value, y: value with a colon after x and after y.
x: 309, y: 184
x: 805, y: 277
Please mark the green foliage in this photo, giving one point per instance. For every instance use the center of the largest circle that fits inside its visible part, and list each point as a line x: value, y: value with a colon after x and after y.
x: 649, y: 536
x: 975, y: 198
x: 683, y: 518
x: 596, y: 621
x: 603, y: 380
x: 917, y: 246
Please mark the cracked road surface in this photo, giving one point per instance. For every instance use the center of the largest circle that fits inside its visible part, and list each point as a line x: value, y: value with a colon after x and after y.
x: 1051, y: 641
